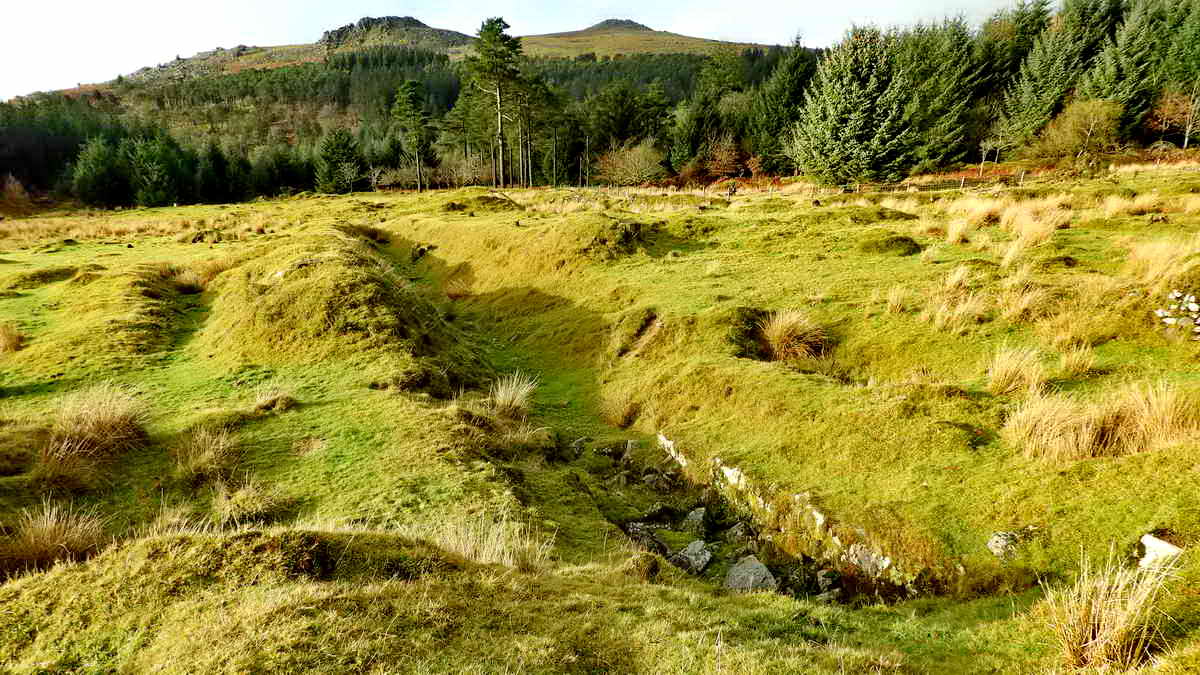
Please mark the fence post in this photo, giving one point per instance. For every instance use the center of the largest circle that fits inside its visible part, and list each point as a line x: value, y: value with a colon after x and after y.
x: 1021, y: 183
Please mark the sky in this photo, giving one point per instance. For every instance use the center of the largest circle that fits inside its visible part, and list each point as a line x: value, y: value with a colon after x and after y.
x: 57, y: 44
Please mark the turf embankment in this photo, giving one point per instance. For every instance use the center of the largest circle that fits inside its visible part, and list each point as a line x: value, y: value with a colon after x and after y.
x: 880, y: 385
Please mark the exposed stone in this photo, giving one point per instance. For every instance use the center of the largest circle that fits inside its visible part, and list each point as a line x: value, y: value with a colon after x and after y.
x: 693, y: 558
x: 749, y: 576
x: 1158, y: 552
x: 643, y: 535
x: 694, y: 521
x: 1003, y: 545
x: 872, y: 563
x: 828, y: 579
x: 739, y: 534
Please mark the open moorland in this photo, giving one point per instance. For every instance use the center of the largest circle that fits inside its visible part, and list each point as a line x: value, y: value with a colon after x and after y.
x: 472, y: 431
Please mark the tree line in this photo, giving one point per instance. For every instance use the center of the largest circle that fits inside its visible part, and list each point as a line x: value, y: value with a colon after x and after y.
x: 881, y: 104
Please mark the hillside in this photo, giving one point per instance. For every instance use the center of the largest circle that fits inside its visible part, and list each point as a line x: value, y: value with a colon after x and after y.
x: 607, y: 38
x: 615, y: 36
x: 382, y: 430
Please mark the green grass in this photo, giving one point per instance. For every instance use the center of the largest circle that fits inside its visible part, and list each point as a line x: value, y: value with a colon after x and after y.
x: 891, y: 429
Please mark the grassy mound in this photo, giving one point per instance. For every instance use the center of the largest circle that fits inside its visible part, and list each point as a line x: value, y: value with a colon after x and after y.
x: 331, y: 294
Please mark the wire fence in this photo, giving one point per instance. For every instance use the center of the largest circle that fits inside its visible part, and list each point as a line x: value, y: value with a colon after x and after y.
x: 962, y: 183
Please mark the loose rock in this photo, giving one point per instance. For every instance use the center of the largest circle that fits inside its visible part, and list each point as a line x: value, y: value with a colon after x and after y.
x: 693, y: 558
x: 694, y: 522
x: 1158, y: 552
x: 749, y: 576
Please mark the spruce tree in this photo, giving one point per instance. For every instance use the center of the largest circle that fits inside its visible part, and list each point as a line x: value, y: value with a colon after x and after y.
x: 937, y: 60
x: 409, y: 117
x: 1055, y: 65
x: 777, y: 107
x: 1129, y: 70
x: 854, y: 125
x: 339, y: 166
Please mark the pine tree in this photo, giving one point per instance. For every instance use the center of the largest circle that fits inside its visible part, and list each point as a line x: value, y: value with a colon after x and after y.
x: 777, y: 107
x: 853, y: 125
x: 494, y: 71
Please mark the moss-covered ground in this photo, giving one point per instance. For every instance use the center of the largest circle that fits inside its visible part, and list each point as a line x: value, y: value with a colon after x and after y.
x: 635, y: 310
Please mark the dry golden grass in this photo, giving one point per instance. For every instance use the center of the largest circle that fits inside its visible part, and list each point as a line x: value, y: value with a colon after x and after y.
x: 250, y: 502
x: 1077, y: 361
x: 958, y: 280
x: 1158, y: 262
x: 621, y: 411
x: 792, y: 334
x: 458, y: 289
x: 496, y: 540
x: 11, y: 338
x: 52, y: 532
x: 1139, y: 167
x: 209, y: 270
x: 1034, y: 222
x: 1077, y: 327
x: 1024, y: 303
x: 897, y: 300
x: 1015, y: 370
x: 511, y: 396
x: 956, y: 314
x: 1115, y: 205
x: 959, y: 231
x: 1108, y: 620
x: 64, y: 465
x: 274, y: 397
x: 205, y: 453
x: 1135, y: 419
x: 979, y: 211
x: 1189, y: 204
x: 100, y: 422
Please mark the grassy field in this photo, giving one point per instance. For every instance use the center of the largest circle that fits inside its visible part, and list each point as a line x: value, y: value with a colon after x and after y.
x: 290, y: 435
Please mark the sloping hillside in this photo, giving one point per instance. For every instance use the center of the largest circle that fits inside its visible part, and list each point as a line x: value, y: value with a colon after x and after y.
x: 424, y: 429
x: 607, y: 38
x: 617, y: 36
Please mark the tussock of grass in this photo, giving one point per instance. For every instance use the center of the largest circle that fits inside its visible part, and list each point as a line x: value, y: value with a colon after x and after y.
x: 100, y: 422
x: 1108, y: 620
x: 1138, y: 418
x: 206, y: 453
x: 1015, y: 369
x: 1077, y: 361
x: 957, y: 314
x: 897, y: 300
x: 51, y: 532
x: 488, y: 539
x: 11, y: 338
x: 65, y: 465
x: 253, y: 501
x: 959, y: 232
x: 274, y: 398
x: 980, y: 211
x: 792, y: 334
x: 1116, y: 205
x: 1024, y: 303
x: 1158, y: 262
x: 511, y: 396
